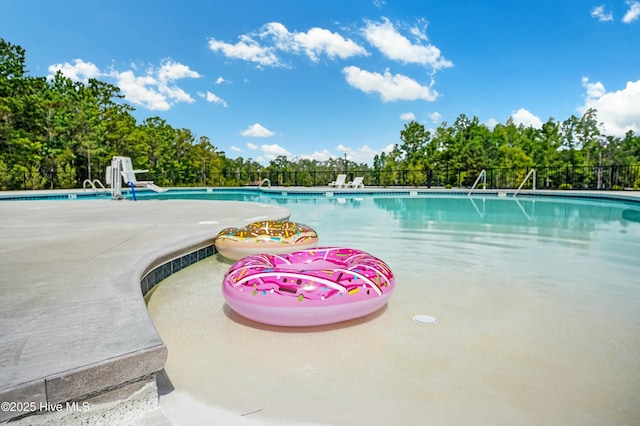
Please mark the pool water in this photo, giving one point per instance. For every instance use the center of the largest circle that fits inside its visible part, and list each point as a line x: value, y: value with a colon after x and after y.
x: 537, y: 302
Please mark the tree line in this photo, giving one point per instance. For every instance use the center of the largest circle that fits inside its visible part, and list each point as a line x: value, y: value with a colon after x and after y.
x: 56, y: 133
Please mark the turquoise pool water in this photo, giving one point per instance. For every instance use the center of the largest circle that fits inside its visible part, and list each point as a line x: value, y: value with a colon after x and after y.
x: 538, y: 301
x: 582, y: 243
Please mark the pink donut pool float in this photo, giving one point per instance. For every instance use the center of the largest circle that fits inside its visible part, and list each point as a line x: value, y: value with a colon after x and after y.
x: 310, y: 287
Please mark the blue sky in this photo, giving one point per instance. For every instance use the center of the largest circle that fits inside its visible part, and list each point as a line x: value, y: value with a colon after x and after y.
x: 321, y: 79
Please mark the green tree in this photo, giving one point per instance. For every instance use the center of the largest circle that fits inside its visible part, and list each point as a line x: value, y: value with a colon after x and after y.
x: 58, y: 132
x: 414, y: 150
x: 66, y: 176
x: 207, y: 162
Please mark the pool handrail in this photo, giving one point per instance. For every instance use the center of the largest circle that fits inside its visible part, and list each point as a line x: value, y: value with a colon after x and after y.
x: 533, y: 187
x: 483, y: 175
x: 93, y: 184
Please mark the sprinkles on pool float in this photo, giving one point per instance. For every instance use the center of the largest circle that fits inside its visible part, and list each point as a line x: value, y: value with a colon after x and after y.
x: 267, y: 236
x: 316, y: 286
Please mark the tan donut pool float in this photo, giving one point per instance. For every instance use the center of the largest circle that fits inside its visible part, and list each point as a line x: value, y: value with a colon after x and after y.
x: 267, y: 237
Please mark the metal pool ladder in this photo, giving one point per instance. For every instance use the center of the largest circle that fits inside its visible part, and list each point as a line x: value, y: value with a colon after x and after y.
x: 265, y: 180
x: 533, y: 184
x: 483, y: 175
x: 93, y: 184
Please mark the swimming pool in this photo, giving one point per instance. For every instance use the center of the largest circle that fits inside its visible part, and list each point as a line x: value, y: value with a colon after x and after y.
x: 538, y: 301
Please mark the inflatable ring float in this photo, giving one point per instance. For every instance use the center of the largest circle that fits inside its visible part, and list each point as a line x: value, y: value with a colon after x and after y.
x: 309, y: 287
x: 267, y: 236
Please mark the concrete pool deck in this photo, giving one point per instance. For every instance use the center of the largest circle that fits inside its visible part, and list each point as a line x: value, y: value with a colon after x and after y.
x: 73, y: 322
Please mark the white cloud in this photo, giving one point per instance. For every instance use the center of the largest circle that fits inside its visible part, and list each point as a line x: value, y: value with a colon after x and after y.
x: 252, y: 146
x: 317, y: 41
x: 313, y: 43
x: 407, y: 116
x: 323, y: 155
x: 79, y: 71
x: 170, y: 71
x: 257, y: 131
x: 379, y: 3
x: 594, y: 90
x: 600, y: 14
x: 274, y: 149
x: 633, y: 13
x: 141, y: 90
x: 492, y: 122
x: 174, y: 93
x: 279, y: 35
x: 246, y: 49
x: 436, y: 117
x: 271, y: 152
x: 213, y: 98
x: 388, y: 148
x: 363, y: 154
x: 526, y: 118
x: 344, y: 149
x: 220, y: 80
x: 390, y: 87
x: 156, y: 90
x: 618, y: 111
x: 419, y: 31
x: 384, y: 36
x: 236, y: 149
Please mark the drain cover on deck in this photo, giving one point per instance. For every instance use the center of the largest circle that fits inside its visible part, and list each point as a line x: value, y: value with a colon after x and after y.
x: 425, y: 319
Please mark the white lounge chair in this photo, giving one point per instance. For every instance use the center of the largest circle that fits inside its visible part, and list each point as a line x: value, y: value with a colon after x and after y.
x: 129, y: 175
x: 340, y: 181
x: 356, y: 183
